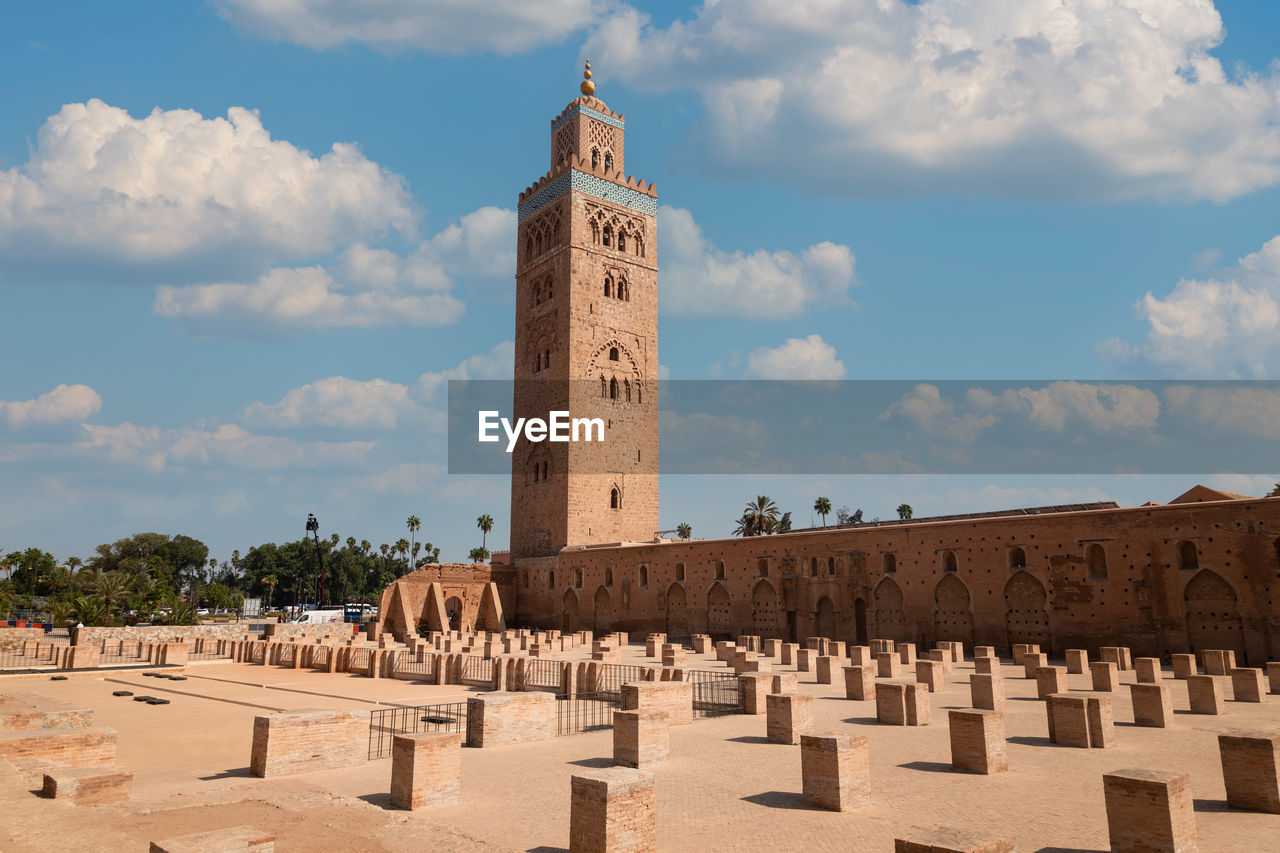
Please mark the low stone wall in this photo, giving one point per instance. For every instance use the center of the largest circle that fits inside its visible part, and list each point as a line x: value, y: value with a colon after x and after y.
x: 33, y: 711
x: 298, y: 741
x: 159, y: 633
x: 12, y: 639
x: 286, y: 631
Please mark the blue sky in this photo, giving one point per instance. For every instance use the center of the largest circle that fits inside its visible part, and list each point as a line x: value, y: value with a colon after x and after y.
x: 252, y: 324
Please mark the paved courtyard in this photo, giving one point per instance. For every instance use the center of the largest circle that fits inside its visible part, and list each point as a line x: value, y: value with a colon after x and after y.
x: 725, y: 787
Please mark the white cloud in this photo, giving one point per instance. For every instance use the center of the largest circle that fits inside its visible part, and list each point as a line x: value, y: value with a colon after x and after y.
x: 404, y: 478
x: 101, y: 186
x: 365, y: 287
x: 438, y: 26
x: 699, y: 278
x: 1227, y: 326
x: 354, y: 404
x: 798, y: 358
x: 1230, y: 409
x: 156, y: 448
x: 1102, y: 407
x: 63, y: 403
x: 1065, y: 98
x: 925, y: 407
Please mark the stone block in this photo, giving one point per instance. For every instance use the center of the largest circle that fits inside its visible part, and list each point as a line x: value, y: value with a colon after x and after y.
x: 1105, y: 675
x: 978, y: 741
x: 1248, y: 684
x: 986, y: 691
x: 984, y: 652
x: 1032, y: 661
x: 674, y: 697
x: 1050, y: 680
x: 947, y: 839
x: 804, y: 659
x: 788, y: 716
x: 837, y: 649
x: 1077, y: 661
x: 942, y: 656
x: 1184, y: 665
x: 1152, y: 705
x: 752, y: 690
x: 1019, y: 650
x: 789, y: 653
x: 38, y: 748
x: 234, y: 839
x: 1147, y: 670
x: 859, y: 682
x: 1217, y: 661
x: 861, y: 656
x: 300, y: 741
x: 426, y: 769
x: 825, y: 667
x: 773, y: 648
x: 641, y: 738
x: 88, y: 786
x: 499, y: 718
x: 785, y: 682
x: 836, y: 771
x: 1204, y: 693
x: 987, y: 665
x: 930, y: 674
x: 1251, y: 770
x: 612, y: 811
x: 1149, y: 811
x: 888, y: 665
x: 1080, y: 720
x: 902, y: 703
x: 906, y: 653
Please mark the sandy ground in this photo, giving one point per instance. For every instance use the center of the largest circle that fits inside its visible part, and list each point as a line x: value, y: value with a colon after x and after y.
x: 725, y: 788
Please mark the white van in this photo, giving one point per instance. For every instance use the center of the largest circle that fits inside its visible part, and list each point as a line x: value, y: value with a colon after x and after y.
x: 318, y: 617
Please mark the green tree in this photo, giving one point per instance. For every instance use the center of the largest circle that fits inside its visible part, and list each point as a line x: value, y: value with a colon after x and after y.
x: 759, y: 518
x: 822, y: 506
x: 479, y: 555
x: 904, y: 511
x: 684, y: 530
x: 402, y: 548
x: 414, y: 524
x: 485, y: 523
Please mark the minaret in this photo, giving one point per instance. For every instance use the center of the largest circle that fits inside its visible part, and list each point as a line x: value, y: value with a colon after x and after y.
x: 586, y: 339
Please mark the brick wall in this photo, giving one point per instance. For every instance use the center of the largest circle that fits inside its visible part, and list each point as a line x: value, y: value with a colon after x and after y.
x: 298, y: 741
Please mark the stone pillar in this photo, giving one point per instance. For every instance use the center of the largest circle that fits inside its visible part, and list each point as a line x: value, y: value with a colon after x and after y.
x: 1204, y: 692
x: 785, y: 682
x: 1106, y: 678
x: 837, y: 649
x: 906, y: 653
x: 804, y: 659
x: 1050, y: 680
x: 859, y: 682
x: 426, y: 769
x: 836, y: 771
x: 861, y: 656
x: 641, y: 738
x: 888, y: 665
x: 1081, y: 720
x: 1152, y: 705
x: 788, y: 716
x: 702, y: 644
x: 299, y: 741
x: 977, y: 741
x: 672, y: 656
x: 986, y: 666
x: 930, y: 674
x: 1215, y: 662
x: 1248, y: 685
x: 1148, y: 670
x: 902, y: 703
x: 1019, y: 649
x: 496, y: 718
x: 984, y: 652
x: 825, y: 667
x: 752, y: 690
x: 674, y: 697
x: 612, y: 811
x: 789, y: 653
x: 82, y: 657
x: 1149, y: 811
x: 1251, y: 770
x: 772, y: 648
x: 986, y: 691
x: 1077, y: 660
x: 1184, y: 665
x: 1032, y: 661
x: 942, y: 656
x: 652, y: 643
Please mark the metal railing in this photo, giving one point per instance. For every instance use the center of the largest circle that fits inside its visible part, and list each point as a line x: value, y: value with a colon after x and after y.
x: 386, y: 723
x: 15, y: 660
x: 585, y: 712
x: 612, y: 676
x: 359, y: 660
x: 120, y: 653
x: 696, y: 676
x: 540, y: 672
x: 716, y: 698
x: 208, y: 655
x: 320, y: 657
x: 476, y: 670
x: 410, y: 666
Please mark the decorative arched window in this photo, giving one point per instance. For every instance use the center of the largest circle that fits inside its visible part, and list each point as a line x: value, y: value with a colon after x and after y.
x: 949, y: 561
x: 604, y: 387
x: 537, y: 243
x: 608, y: 286
x: 546, y: 359
x: 613, y: 353
x: 608, y: 235
x: 644, y: 576
x: 551, y: 579
x: 622, y: 240
x: 608, y: 577
x: 577, y: 578
x: 615, y: 499
x: 613, y: 389
x: 595, y: 231
x: 639, y: 247
x: 536, y: 471
x: 719, y: 570
x: 1017, y: 558
x: 762, y: 567
x: 595, y: 157
x: 1188, y: 556
x: 831, y: 566
x: 608, y: 161
x: 537, y: 295
x: 813, y: 567
x: 889, y: 563
x: 550, y: 289
x: 1095, y: 558
x: 528, y: 248
x: 626, y: 387
x: 546, y: 468
x: 680, y: 572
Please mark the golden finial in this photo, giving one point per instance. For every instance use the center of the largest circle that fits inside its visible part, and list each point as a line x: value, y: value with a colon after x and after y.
x: 587, y: 87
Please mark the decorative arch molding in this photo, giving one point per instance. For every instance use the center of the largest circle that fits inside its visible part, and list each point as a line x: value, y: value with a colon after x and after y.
x: 1213, y: 614
x: 952, y: 610
x: 765, y: 612
x: 677, y: 602
x: 1026, y: 613
x: 890, y: 618
x: 719, y: 612
x: 824, y: 623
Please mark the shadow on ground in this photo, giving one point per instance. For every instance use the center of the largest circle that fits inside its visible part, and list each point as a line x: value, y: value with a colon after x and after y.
x: 779, y: 800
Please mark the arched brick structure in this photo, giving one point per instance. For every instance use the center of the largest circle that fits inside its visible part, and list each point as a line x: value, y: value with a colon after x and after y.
x: 952, y: 614
x: 1026, y: 618
x: 1213, y: 616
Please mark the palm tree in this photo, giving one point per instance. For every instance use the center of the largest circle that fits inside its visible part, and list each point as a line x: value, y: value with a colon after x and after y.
x: 365, y: 547
x: 822, y: 506
x: 479, y: 555
x: 414, y: 524
x: 485, y: 523
x: 759, y: 518
x: 402, y: 548
x: 904, y: 511
x: 351, y: 543
x: 270, y: 581
x: 416, y: 547
x: 684, y: 530
x: 1274, y: 493
x: 112, y: 586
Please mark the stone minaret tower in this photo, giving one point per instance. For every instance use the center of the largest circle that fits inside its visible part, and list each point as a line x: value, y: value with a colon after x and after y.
x: 586, y: 339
